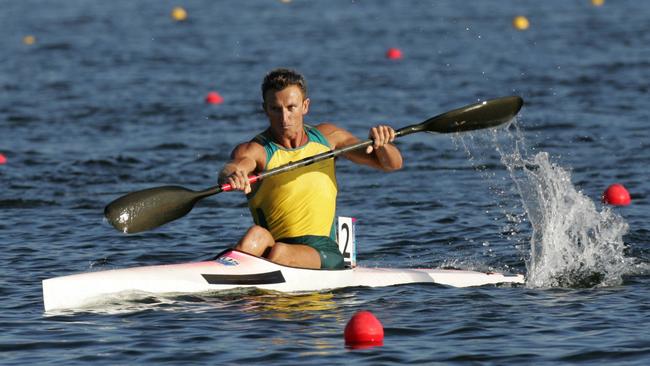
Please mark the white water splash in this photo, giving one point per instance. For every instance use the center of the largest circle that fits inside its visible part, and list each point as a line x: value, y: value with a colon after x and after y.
x: 573, y: 244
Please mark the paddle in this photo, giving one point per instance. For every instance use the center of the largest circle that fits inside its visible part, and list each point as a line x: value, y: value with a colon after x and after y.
x: 150, y: 208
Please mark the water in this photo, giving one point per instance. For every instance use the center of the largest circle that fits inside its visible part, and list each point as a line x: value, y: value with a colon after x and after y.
x: 110, y: 100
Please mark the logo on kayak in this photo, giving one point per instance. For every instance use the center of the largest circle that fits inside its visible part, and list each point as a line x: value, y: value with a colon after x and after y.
x: 227, y: 261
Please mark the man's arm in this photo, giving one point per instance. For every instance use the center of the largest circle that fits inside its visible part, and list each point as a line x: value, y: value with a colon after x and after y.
x: 246, y: 159
x: 382, y: 154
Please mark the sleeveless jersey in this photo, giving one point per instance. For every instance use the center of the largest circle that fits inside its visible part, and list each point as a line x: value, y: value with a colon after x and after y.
x: 299, y: 202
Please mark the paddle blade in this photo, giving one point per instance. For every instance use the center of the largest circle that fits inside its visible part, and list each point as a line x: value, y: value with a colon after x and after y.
x: 486, y: 114
x: 150, y: 208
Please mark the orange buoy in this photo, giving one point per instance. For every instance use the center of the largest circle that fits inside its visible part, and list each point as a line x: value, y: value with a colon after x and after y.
x: 616, y: 195
x: 520, y: 22
x: 179, y: 14
x: 394, y: 54
x: 213, y: 98
x: 364, y: 330
x: 29, y: 40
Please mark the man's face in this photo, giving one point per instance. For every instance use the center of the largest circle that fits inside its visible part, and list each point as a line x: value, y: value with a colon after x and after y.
x: 285, y: 110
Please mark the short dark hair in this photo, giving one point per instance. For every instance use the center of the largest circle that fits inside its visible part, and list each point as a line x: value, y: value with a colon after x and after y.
x: 278, y: 79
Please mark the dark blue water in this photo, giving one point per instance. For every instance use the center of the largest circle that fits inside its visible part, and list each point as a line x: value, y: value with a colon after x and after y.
x: 109, y: 99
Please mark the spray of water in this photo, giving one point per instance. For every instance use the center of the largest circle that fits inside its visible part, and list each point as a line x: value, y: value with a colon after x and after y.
x: 573, y: 243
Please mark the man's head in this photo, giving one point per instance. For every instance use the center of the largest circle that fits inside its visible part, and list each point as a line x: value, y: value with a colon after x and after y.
x: 285, y: 102
x: 279, y: 79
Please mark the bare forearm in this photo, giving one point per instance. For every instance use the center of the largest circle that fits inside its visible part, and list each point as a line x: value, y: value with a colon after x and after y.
x: 382, y: 154
x: 388, y: 158
x: 246, y: 158
x: 243, y: 166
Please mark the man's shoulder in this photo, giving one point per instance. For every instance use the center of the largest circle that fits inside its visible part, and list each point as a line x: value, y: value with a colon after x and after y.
x: 327, y: 128
x: 326, y: 125
x: 263, y: 138
x: 248, y: 147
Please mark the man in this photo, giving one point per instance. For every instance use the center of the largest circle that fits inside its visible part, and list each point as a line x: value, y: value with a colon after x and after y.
x: 294, y: 212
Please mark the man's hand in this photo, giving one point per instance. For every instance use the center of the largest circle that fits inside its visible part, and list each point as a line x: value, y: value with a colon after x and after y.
x: 237, y: 179
x: 380, y: 135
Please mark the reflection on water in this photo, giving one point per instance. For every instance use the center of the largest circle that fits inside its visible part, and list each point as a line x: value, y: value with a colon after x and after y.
x: 265, y: 304
x: 287, y: 306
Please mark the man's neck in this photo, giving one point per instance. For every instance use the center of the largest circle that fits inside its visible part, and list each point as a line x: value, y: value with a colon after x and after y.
x: 291, y: 141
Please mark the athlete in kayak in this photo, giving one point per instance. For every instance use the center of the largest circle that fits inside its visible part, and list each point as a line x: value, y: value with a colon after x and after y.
x: 294, y: 212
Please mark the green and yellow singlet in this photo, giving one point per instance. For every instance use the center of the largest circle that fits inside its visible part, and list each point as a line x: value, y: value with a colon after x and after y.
x: 297, y: 203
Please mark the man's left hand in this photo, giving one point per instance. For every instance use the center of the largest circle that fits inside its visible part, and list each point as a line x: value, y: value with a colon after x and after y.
x: 380, y: 135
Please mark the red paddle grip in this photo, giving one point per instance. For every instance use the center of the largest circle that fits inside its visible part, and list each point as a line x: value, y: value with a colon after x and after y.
x: 251, y: 179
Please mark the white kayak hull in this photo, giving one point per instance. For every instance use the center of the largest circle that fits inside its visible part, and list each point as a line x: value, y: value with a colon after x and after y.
x: 233, y: 269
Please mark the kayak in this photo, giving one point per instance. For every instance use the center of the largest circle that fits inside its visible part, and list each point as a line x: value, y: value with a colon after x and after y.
x: 233, y: 269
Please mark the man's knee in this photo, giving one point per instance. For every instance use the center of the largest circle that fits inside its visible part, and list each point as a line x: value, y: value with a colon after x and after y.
x: 255, y: 241
x: 279, y: 252
x: 257, y: 231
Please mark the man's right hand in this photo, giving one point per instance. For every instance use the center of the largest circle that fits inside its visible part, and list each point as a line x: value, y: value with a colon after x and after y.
x: 247, y: 159
x: 237, y: 179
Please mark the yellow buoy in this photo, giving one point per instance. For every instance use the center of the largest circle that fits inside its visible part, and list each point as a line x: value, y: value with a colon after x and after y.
x: 29, y: 40
x: 520, y: 22
x: 597, y: 2
x: 179, y: 14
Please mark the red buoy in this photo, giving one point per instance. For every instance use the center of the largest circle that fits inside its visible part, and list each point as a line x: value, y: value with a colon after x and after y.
x: 364, y: 330
x: 394, y: 54
x: 213, y: 98
x: 3, y: 159
x: 617, y: 195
